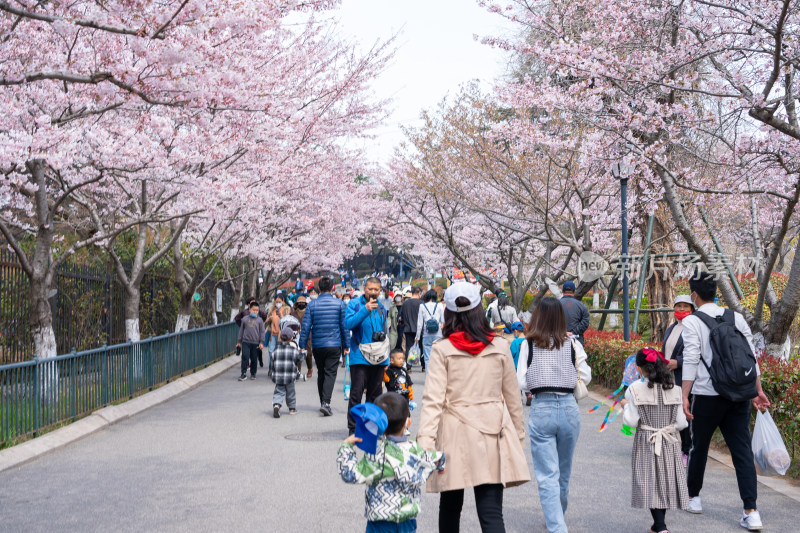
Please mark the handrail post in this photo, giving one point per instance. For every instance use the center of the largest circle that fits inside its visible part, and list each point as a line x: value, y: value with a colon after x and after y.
x: 152, y: 364
x: 104, y: 376
x: 130, y: 369
x: 73, y: 386
x: 37, y: 396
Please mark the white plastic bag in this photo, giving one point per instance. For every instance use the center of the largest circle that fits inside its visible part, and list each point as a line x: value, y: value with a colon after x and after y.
x: 769, y: 452
x: 413, y: 354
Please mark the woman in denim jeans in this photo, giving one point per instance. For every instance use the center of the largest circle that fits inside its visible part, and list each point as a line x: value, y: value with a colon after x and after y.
x: 550, y: 374
x: 430, y: 308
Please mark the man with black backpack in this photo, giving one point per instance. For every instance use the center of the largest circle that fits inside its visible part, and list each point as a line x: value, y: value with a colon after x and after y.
x: 721, y: 371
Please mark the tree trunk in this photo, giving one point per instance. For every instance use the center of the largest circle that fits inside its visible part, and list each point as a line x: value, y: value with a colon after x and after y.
x: 182, y: 322
x: 132, y: 301
x: 264, y: 294
x: 41, y: 278
x: 661, y: 271
x: 131, y: 310
x: 238, y: 292
x: 252, y: 285
x: 783, y: 313
x: 41, y: 319
x: 184, y: 312
x: 583, y: 289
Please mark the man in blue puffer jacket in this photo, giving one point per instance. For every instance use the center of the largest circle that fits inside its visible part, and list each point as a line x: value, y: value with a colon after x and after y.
x: 365, y: 315
x: 324, y: 318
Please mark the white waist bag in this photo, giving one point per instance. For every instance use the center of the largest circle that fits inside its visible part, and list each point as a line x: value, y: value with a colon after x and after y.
x: 375, y: 352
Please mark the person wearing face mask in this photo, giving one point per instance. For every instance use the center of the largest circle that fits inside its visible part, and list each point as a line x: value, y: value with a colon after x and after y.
x: 673, y: 352
x: 395, y: 329
x: 262, y: 315
x: 273, y: 324
x: 299, y: 312
x: 250, y: 340
x: 313, y: 293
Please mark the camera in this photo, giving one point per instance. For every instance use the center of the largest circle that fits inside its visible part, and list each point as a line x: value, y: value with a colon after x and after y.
x: 378, y: 336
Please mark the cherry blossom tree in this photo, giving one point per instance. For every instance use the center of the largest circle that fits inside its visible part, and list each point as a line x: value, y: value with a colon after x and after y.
x: 491, y: 202
x: 104, y: 101
x: 698, y: 98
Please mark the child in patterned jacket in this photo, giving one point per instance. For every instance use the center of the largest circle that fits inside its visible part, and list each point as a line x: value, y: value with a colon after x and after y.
x: 395, y: 474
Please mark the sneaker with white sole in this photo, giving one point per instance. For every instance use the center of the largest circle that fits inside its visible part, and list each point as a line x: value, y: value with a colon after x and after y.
x: 751, y: 522
x: 695, y: 505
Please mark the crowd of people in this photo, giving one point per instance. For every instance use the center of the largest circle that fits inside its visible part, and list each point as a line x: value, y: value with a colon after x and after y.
x: 483, y: 362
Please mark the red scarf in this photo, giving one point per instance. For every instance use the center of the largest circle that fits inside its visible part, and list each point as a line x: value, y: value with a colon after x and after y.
x: 464, y: 343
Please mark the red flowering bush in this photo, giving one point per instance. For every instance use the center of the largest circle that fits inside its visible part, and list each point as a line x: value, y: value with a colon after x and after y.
x: 606, y: 352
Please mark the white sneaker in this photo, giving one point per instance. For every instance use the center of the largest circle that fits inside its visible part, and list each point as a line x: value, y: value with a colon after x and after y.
x: 751, y: 522
x: 695, y: 505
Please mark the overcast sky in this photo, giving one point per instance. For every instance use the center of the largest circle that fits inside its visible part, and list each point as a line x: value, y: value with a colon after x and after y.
x: 436, y: 53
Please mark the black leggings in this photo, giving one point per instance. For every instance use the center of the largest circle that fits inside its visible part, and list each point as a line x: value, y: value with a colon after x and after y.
x: 488, y: 500
x: 659, y: 520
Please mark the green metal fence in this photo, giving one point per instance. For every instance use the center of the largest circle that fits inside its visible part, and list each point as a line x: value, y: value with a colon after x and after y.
x: 41, y: 393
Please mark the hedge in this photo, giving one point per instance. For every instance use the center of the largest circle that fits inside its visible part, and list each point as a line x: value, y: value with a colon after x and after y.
x: 606, y: 353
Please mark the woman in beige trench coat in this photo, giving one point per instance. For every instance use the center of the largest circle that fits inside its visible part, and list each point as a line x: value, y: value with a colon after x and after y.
x: 471, y: 412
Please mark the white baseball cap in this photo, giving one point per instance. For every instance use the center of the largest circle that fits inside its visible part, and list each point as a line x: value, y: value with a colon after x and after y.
x: 459, y: 289
x: 684, y: 299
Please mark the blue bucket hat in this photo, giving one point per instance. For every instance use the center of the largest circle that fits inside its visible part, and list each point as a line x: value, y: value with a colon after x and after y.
x: 515, y: 326
x: 371, y: 422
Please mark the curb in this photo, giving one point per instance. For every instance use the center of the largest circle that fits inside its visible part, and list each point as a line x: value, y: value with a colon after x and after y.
x: 778, y: 484
x: 102, y: 418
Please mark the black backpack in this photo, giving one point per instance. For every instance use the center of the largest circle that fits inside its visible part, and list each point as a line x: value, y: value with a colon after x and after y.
x: 733, y: 368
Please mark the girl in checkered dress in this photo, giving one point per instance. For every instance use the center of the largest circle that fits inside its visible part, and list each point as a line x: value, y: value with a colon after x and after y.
x: 654, y: 407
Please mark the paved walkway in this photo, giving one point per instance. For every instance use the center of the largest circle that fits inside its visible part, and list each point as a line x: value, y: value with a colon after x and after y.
x: 214, y: 459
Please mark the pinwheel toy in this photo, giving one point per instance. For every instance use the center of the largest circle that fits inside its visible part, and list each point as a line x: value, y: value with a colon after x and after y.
x: 630, y: 375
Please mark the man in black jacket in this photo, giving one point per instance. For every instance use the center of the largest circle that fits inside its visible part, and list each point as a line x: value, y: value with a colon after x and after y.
x: 408, y: 314
x: 262, y: 314
x: 576, y: 313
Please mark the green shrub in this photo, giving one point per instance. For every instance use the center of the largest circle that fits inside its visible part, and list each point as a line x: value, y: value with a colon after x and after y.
x: 526, y: 301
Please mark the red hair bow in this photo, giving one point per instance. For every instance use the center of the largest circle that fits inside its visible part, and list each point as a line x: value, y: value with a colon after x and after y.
x: 651, y: 355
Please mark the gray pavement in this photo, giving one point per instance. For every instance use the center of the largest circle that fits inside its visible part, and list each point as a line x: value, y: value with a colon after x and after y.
x: 214, y: 459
